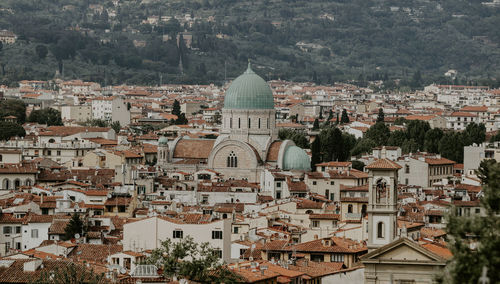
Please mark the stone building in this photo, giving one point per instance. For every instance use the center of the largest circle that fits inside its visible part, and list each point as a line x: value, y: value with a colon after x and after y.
x: 248, y: 140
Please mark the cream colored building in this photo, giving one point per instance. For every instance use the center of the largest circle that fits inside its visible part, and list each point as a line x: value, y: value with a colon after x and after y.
x: 77, y: 113
x: 216, y: 233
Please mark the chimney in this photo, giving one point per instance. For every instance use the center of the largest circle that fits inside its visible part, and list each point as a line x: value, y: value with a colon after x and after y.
x: 32, y: 266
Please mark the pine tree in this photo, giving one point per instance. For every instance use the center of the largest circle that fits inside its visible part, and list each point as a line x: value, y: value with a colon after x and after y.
x: 482, y: 230
x: 316, y: 124
x: 176, y: 108
x: 381, y: 115
x: 315, y: 153
x: 344, y: 118
x: 75, y: 226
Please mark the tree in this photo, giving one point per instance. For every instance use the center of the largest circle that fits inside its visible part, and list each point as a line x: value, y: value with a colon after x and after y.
x: 416, y: 130
x: 47, y: 116
x: 176, y: 108
x: 315, y: 153
x: 451, y: 146
x: 181, y: 119
x: 116, y: 126
x: 187, y: 259
x: 432, y: 137
x: 315, y: 124
x: 344, y: 118
x: 69, y: 273
x: 381, y: 115
x: 75, y: 226
x: 474, y: 133
x: 41, y: 51
x: 358, y: 165
x: 483, y: 171
x: 97, y: 122
x: 378, y: 133
x: 364, y: 145
x: 479, y: 229
x: 297, y: 136
x: 13, y: 107
x: 10, y: 129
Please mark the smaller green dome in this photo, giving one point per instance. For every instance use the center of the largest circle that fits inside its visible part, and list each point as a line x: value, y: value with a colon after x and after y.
x: 296, y: 158
x: 163, y: 140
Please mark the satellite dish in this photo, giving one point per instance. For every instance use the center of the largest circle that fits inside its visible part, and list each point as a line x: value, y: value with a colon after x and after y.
x: 123, y: 270
x: 77, y: 236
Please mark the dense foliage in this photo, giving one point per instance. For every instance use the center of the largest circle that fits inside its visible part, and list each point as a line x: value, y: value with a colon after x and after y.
x: 47, y: 116
x: 70, y: 273
x: 194, y: 261
x: 418, y: 136
x: 315, y: 40
x: 75, y: 226
x: 483, y: 230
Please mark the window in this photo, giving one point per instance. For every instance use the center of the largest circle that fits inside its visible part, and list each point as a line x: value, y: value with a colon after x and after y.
x: 239, y: 122
x: 407, y: 169
x: 278, y: 194
x: 327, y: 193
x: 34, y: 233
x: 7, y: 230
x: 380, y: 230
x: 278, y: 184
x: 259, y: 123
x: 314, y: 182
x: 178, y: 234
x: 1, y: 158
x: 121, y: 208
x: 332, y: 183
x: 242, y: 251
x: 218, y: 253
x: 315, y: 224
x: 249, y: 122
x: 204, y: 199
x: 58, y: 153
x: 236, y: 230
x: 18, y: 229
x: 317, y: 257
x: 478, y: 210
x: 216, y: 235
x: 349, y: 208
x: 406, y: 181
x: 232, y: 160
x: 337, y: 258
x: 49, y: 153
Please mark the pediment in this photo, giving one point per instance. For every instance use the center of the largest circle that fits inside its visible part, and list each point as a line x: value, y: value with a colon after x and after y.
x: 402, y: 250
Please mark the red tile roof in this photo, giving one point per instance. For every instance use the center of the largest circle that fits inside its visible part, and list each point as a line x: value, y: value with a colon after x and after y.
x: 384, y: 164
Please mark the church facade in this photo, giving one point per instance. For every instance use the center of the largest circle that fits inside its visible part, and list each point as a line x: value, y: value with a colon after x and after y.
x: 248, y: 141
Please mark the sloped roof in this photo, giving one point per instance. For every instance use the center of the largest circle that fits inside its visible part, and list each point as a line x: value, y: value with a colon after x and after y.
x: 384, y: 164
x: 193, y: 148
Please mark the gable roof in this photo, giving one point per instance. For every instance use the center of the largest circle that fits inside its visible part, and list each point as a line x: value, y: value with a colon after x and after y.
x: 384, y: 164
x: 375, y: 255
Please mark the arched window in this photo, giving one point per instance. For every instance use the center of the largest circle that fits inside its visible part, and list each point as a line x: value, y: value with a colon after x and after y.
x: 51, y: 140
x: 239, y: 122
x: 17, y: 183
x: 224, y: 216
x: 363, y: 210
x: 249, y: 123
x: 27, y: 182
x: 380, y: 230
x: 259, y: 122
x: 349, y: 208
x: 232, y: 160
x: 6, y: 184
x: 231, y: 122
x: 381, y: 193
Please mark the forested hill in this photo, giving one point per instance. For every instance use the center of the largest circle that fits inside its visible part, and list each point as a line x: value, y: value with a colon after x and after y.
x: 136, y: 42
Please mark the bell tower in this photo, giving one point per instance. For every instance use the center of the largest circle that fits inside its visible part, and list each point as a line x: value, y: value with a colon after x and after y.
x: 382, y: 202
x: 163, y: 152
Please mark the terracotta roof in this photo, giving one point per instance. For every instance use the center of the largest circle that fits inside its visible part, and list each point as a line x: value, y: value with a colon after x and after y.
x: 272, y: 153
x: 474, y: 109
x: 325, y: 216
x: 193, y: 148
x: 439, y: 250
x: 334, y: 164
x: 70, y: 130
x: 94, y: 252
x: 15, y: 272
x: 22, y: 168
x: 309, y: 204
x: 462, y: 114
x: 58, y: 226
x: 384, y: 164
x: 329, y: 245
x: 438, y: 161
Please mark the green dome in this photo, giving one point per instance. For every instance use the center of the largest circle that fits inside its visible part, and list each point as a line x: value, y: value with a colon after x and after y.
x: 296, y: 159
x: 163, y: 140
x: 249, y: 91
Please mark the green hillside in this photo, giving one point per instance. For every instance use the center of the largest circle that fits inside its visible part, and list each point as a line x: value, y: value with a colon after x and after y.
x: 134, y: 42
